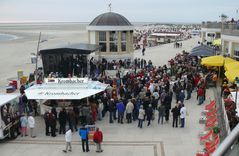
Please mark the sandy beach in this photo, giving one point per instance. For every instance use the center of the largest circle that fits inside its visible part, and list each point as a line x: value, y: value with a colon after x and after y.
x: 16, y: 54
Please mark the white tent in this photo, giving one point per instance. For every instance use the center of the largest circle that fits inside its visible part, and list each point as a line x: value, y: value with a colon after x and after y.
x: 68, y: 91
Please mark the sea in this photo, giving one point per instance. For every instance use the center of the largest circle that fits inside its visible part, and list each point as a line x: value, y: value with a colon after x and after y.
x: 7, y: 37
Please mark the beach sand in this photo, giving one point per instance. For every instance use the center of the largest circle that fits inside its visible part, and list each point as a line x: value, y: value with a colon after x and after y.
x: 16, y: 54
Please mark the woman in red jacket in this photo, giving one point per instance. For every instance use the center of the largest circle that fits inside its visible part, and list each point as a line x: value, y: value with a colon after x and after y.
x: 98, y: 138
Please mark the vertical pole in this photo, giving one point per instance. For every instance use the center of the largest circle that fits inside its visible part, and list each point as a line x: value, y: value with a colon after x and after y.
x: 38, y: 44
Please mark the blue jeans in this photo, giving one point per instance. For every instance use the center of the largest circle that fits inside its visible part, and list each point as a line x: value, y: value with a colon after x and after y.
x: 182, y: 122
x: 120, y: 117
x: 200, y: 100
x: 140, y: 124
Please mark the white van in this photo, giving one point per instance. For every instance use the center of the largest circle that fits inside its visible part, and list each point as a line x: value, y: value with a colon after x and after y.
x: 9, y: 116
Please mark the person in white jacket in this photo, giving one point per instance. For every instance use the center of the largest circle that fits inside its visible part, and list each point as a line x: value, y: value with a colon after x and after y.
x: 31, y: 124
x: 141, y: 116
x: 68, y: 138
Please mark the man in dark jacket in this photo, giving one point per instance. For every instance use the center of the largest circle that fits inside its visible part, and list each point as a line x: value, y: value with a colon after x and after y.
x: 176, y: 113
x: 62, y: 121
x: 111, y: 110
x: 149, y: 114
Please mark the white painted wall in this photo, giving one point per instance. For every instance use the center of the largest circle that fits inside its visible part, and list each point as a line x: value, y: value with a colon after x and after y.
x: 92, y: 37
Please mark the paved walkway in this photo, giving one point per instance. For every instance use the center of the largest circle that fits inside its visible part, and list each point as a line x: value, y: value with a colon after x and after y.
x: 126, y: 139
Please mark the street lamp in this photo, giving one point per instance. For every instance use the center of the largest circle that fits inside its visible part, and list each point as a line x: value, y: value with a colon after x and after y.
x: 37, y: 54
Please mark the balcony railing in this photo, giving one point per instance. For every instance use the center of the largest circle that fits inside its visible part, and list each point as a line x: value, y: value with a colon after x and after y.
x: 231, y: 29
x: 214, y: 25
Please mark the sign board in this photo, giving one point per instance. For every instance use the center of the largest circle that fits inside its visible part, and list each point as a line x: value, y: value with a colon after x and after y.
x: 70, y: 89
x: 65, y: 80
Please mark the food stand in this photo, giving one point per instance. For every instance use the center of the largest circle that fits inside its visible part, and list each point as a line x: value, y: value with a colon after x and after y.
x: 64, y: 89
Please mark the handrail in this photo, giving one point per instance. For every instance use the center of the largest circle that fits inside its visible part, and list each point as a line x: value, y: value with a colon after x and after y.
x: 227, y: 142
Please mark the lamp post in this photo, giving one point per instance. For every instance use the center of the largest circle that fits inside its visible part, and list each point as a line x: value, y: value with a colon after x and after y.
x: 37, y: 54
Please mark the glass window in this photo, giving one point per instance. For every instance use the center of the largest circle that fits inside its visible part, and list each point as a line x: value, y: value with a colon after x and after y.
x: 123, y: 36
x: 102, y: 36
x: 236, y: 52
x: 102, y: 41
x: 123, y: 46
x: 113, y: 47
x: 103, y: 47
x: 113, y: 36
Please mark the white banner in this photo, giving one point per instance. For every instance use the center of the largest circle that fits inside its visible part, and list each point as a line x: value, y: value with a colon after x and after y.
x: 65, y: 90
x: 66, y: 80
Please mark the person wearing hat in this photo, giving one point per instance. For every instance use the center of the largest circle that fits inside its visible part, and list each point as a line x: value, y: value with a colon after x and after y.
x: 141, y: 116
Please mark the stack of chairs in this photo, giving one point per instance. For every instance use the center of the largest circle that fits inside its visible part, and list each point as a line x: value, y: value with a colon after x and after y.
x: 208, y: 139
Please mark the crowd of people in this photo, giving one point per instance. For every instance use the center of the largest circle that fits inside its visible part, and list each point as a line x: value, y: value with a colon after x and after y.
x: 145, y: 93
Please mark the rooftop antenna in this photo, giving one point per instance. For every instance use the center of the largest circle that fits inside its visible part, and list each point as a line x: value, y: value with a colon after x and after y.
x: 109, y: 5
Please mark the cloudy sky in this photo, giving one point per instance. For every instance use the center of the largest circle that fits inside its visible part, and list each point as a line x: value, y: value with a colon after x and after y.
x: 135, y: 10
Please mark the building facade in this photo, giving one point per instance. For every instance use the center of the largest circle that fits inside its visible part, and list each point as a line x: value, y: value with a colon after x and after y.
x: 210, y: 31
x: 230, y: 39
x: 114, y: 33
x: 227, y: 31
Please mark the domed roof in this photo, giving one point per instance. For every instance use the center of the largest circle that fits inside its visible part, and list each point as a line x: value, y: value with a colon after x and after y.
x: 110, y: 19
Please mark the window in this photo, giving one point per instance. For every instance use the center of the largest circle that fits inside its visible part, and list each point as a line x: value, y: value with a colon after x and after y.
x: 102, y: 46
x: 102, y: 41
x: 236, y: 53
x: 102, y: 36
x: 113, y: 41
x: 123, y: 41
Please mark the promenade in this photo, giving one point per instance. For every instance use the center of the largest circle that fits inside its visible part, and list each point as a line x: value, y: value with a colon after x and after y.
x: 126, y: 139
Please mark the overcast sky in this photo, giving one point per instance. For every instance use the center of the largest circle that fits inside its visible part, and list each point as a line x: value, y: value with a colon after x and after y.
x: 194, y: 11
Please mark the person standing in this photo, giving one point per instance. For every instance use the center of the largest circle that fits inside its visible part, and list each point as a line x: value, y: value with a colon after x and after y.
x: 100, y: 110
x: 149, y: 114
x: 62, y: 121
x: 31, y: 124
x: 24, y: 123
x: 143, y: 51
x: 129, y: 111
x: 52, y: 123
x: 68, y: 138
x: 98, y: 138
x: 83, y: 132
x: 161, y: 110
x: 121, y: 108
x: 47, y: 123
x: 183, y: 115
x: 189, y: 87
x: 176, y: 113
x: 200, y: 93
x: 141, y: 116
x: 111, y: 110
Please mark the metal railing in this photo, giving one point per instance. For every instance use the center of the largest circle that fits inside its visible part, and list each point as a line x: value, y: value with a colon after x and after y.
x: 229, y: 145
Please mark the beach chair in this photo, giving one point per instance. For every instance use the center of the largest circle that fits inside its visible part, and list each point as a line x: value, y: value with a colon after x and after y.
x: 210, y: 120
x: 211, y: 113
x: 211, y: 105
x: 206, y: 137
x: 210, y: 125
